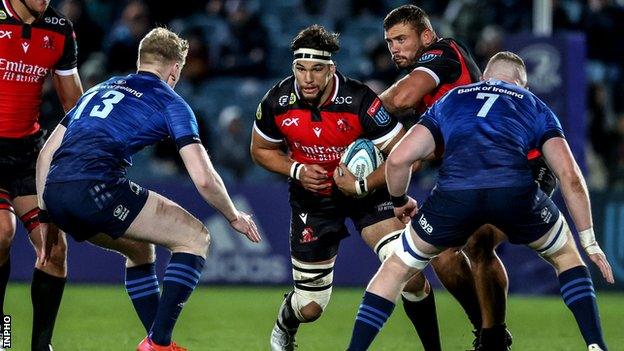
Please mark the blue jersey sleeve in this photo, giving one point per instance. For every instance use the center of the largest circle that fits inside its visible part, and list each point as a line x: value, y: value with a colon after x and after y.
x: 182, y: 123
x: 548, y: 125
x: 430, y: 121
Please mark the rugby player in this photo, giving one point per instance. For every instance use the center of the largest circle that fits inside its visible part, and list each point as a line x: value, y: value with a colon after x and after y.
x: 436, y: 66
x: 36, y: 41
x: 316, y: 113
x: 504, y: 120
x: 83, y: 189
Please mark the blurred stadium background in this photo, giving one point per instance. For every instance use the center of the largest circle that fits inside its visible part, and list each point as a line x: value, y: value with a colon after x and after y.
x: 239, y: 49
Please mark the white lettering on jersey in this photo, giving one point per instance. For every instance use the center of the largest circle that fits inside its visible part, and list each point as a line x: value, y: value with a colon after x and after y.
x: 287, y: 122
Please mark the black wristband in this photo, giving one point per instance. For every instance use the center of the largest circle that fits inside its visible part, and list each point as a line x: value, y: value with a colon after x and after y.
x: 399, y: 201
x: 44, y: 216
x: 363, y: 185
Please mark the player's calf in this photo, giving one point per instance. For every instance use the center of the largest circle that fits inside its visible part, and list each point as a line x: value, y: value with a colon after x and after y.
x: 576, y: 286
x: 411, y: 256
x: 417, y: 295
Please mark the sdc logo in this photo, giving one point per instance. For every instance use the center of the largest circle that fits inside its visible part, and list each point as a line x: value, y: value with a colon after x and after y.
x: 55, y: 20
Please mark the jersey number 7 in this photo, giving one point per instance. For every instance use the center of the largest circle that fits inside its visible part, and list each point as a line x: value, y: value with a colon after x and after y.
x: 488, y: 103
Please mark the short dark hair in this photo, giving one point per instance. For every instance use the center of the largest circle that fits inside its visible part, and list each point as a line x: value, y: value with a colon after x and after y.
x: 408, y: 14
x: 316, y: 37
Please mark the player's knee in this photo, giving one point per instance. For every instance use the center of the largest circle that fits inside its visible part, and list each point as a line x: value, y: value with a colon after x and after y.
x: 407, y: 251
x: 313, y: 287
x: 311, y: 312
x: 138, y: 253
x: 58, y: 255
x: 480, y: 247
x: 386, y: 245
x: 554, y: 245
x: 199, y: 242
x: 416, y: 288
x: 7, y: 232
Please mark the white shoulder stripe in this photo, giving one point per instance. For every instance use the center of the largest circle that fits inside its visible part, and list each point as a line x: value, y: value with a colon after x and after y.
x: 430, y: 72
x: 266, y: 137
x: 391, y: 134
x: 66, y: 72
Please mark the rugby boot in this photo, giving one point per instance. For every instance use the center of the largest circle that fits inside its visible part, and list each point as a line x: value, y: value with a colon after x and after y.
x: 148, y: 345
x: 282, y: 337
x: 493, y: 340
x: 594, y: 347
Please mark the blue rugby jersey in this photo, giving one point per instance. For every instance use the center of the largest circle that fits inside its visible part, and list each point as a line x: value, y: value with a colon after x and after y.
x: 116, y: 119
x: 486, y: 130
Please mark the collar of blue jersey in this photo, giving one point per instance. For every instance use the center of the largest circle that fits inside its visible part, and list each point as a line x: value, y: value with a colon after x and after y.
x: 146, y: 73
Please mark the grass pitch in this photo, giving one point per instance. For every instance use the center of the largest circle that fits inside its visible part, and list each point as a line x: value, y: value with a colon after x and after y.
x: 94, y: 317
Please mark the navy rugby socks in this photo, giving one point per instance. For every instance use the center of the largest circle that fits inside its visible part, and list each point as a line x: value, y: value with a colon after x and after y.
x: 577, y: 291
x: 46, y: 292
x: 181, y: 278
x: 5, y: 271
x: 372, y: 315
x: 425, y: 320
x: 142, y: 287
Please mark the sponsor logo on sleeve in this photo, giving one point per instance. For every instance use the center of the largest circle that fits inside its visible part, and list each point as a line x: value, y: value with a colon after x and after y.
x: 429, y: 56
x: 259, y: 111
x: 283, y: 100
x: 378, y: 113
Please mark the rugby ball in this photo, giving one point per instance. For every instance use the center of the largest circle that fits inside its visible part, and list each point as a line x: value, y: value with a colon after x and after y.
x: 362, y: 157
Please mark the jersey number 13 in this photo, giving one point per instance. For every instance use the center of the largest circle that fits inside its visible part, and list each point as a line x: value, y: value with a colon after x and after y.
x: 109, y: 99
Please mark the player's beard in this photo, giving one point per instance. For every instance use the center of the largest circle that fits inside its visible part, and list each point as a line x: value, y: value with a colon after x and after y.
x: 34, y: 12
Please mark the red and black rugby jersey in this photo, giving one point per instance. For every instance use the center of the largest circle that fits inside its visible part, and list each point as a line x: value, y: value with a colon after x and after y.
x: 319, y: 135
x: 28, y: 53
x: 450, y: 65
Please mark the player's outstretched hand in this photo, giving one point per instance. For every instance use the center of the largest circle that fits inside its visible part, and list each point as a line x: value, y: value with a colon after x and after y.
x: 49, y: 238
x: 246, y: 226
x: 598, y: 257
x: 406, y: 212
x: 314, y: 178
x: 345, y: 180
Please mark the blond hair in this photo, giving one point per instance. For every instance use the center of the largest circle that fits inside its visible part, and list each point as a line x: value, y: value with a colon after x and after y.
x: 162, y: 46
x: 507, y: 63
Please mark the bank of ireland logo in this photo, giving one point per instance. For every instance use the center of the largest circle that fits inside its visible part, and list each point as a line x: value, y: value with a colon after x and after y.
x: 613, y: 245
x: 232, y: 258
